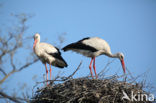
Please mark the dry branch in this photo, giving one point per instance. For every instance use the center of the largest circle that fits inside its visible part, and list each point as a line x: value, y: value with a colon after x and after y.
x: 10, y: 43
x: 14, y: 99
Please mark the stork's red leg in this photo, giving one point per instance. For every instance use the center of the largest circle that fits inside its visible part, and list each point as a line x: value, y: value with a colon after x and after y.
x: 46, y: 72
x: 90, y: 67
x: 50, y: 71
x: 94, y: 68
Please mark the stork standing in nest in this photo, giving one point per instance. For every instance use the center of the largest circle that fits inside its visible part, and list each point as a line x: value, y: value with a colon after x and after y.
x: 93, y: 47
x: 47, y: 53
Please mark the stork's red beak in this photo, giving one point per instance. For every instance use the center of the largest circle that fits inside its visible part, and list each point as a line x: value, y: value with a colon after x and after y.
x: 34, y: 43
x: 123, y: 65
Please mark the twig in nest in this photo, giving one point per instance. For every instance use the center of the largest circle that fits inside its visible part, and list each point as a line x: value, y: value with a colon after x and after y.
x: 74, y: 72
x: 62, y: 78
x: 66, y: 78
x: 103, y: 71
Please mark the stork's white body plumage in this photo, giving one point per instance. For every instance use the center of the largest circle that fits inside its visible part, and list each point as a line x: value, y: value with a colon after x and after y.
x: 44, y: 52
x: 99, y: 44
x: 93, y: 47
x: 47, y: 53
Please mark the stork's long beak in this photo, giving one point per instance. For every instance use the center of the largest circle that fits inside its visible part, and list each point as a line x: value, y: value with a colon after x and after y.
x: 34, y: 44
x: 123, y: 65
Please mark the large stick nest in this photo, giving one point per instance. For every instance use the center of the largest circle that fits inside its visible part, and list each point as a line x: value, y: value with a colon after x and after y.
x: 84, y: 90
x: 87, y: 90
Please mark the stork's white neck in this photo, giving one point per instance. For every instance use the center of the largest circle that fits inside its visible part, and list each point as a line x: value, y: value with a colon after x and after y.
x: 38, y: 41
x: 116, y: 55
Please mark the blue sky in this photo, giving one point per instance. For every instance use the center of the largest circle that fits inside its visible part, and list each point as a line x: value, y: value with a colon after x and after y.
x: 127, y: 25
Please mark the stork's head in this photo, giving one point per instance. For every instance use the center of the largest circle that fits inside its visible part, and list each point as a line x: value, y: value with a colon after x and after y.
x: 36, y: 39
x: 121, y: 57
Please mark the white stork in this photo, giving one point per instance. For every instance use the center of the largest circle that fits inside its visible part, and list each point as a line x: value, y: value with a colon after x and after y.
x: 93, y: 47
x: 48, y: 54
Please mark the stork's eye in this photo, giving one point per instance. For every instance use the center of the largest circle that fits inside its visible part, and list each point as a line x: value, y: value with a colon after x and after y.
x: 121, y: 57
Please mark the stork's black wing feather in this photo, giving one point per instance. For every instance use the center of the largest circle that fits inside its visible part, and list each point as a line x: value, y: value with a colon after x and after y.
x: 58, y: 56
x: 84, y: 39
x: 58, y: 50
x: 80, y: 45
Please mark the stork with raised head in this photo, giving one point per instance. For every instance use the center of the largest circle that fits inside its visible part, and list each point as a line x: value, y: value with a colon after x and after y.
x: 48, y: 54
x: 93, y: 47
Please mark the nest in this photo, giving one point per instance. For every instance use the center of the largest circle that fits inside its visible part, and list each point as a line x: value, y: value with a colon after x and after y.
x: 85, y: 90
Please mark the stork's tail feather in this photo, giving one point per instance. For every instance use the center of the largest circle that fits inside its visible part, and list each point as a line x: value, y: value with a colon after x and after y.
x: 61, y: 65
x: 60, y: 62
x: 69, y: 47
x: 65, y: 64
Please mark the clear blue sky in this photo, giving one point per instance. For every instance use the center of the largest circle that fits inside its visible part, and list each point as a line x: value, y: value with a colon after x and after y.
x: 129, y: 26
